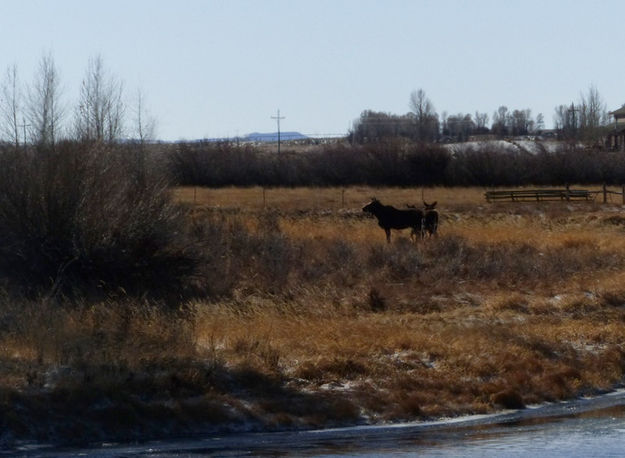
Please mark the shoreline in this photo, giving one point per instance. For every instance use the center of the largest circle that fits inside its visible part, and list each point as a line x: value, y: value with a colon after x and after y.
x: 309, y: 439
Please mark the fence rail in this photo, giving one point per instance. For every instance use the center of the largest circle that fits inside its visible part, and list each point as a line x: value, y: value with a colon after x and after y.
x: 540, y: 195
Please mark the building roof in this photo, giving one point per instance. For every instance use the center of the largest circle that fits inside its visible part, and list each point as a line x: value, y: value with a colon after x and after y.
x: 619, y: 112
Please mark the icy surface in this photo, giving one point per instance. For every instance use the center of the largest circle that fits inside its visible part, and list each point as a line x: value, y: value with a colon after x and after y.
x: 585, y: 427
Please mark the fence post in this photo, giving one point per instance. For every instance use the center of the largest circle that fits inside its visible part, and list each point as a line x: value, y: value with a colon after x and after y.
x: 194, y: 212
x: 568, y: 192
x: 623, y: 193
x: 605, y: 194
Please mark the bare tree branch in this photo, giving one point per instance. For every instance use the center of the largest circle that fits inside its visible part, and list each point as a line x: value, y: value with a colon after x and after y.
x: 425, y: 116
x: 145, y: 124
x: 44, y: 110
x: 11, y: 105
x: 100, y: 112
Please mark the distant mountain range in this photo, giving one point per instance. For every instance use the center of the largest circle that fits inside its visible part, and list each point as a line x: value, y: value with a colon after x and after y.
x: 261, y: 137
x: 273, y: 137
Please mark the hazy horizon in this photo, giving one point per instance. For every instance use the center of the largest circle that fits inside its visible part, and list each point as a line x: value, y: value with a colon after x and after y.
x: 211, y: 69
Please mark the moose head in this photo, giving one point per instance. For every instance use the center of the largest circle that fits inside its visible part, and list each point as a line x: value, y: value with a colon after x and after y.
x: 431, y: 206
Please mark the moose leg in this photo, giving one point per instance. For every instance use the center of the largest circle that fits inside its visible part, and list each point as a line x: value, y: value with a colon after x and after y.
x: 388, y: 235
x: 434, y: 231
x: 415, y: 234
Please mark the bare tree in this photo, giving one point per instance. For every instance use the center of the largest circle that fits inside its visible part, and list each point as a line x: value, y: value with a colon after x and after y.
x: 460, y: 126
x: 501, y: 121
x: 582, y: 121
x: 373, y: 126
x: 99, y: 115
x: 592, y: 113
x: 521, y: 122
x: 44, y: 110
x: 540, y: 122
x: 11, y: 106
x: 144, y: 127
x: 144, y: 123
x: 425, y: 116
x: 561, y: 118
x: 481, y: 121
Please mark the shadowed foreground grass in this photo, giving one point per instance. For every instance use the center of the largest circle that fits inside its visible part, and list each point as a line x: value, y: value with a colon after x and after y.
x: 316, y: 321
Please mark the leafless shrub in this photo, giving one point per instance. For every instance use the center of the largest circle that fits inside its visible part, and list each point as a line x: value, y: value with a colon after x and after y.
x: 99, y: 114
x: 77, y: 218
x: 401, y: 259
x: 452, y: 257
x: 376, y: 301
x: 275, y: 258
x: 614, y: 298
x: 327, y: 261
x: 221, y: 246
x: 508, y: 399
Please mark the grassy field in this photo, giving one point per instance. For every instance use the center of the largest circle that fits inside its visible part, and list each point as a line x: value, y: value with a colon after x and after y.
x: 321, y: 322
x: 512, y: 304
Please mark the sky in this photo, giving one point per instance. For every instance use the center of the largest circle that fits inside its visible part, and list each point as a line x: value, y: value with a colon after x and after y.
x: 222, y: 68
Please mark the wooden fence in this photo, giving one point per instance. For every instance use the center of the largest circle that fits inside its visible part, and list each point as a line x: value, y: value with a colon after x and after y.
x: 539, y: 195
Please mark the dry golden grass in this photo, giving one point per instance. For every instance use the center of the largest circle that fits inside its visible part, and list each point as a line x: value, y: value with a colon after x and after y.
x: 512, y: 304
x: 288, y: 199
x: 464, y: 212
x: 462, y: 345
x: 329, y: 198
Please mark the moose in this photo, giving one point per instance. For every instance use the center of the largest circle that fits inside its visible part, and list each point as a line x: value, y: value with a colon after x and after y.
x: 430, y: 220
x: 390, y: 217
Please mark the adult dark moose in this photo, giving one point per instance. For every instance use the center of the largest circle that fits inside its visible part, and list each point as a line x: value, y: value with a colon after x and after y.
x: 390, y: 217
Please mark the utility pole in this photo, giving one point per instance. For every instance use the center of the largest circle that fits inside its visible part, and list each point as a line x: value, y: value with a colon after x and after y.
x: 278, y: 118
x: 572, y: 120
x: 24, y: 126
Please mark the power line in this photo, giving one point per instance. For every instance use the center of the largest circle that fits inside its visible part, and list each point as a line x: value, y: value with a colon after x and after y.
x: 278, y: 118
x: 24, y: 126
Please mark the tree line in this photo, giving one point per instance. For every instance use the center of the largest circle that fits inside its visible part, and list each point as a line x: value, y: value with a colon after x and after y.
x: 582, y: 120
x: 385, y: 149
x: 390, y: 162
x: 37, y: 113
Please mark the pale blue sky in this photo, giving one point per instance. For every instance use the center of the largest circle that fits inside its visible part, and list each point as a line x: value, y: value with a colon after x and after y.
x: 222, y: 68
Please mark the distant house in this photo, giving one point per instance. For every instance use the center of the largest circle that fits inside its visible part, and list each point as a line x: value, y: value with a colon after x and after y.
x: 616, y: 131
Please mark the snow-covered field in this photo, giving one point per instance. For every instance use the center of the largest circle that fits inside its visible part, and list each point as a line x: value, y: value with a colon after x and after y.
x: 511, y: 146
